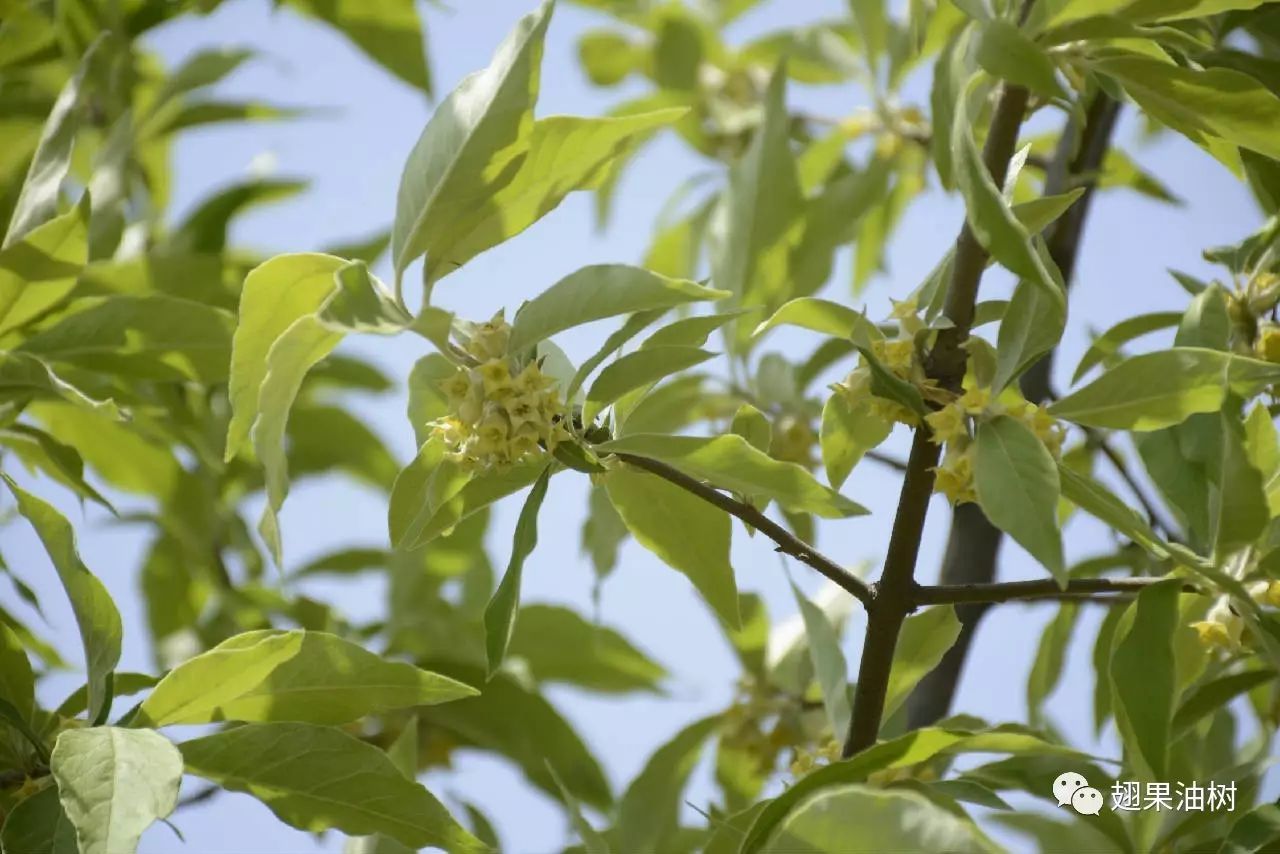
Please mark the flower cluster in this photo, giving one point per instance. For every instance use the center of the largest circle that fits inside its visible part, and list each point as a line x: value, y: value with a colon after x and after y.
x: 1223, y: 628
x: 900, y: 357
x: 805, y: 761
x: 499, y: 411
x: 952, y: 424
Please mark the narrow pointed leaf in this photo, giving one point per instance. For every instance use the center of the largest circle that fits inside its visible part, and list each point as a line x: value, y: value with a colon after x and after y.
x: 500, y: 614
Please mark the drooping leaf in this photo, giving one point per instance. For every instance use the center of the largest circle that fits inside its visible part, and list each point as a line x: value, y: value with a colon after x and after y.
x: 114, y: 783
x: 1032, y: 326
x: 1046, y: 668
x: 688, y: 534
x: 848, y: 431
x: 388, y: 31
x: 730, y: 462
x: 828, y: 662
x: 305, y: 676
x: 478, y: 124
x: 17, y: 684
x: 820, y: 315
x: 317, y: 778
x: 1160, y: 389
x: 95, y: 612
x: 648, y: 814
x: 1017, y: 484
x: 1108, y: 344
x: 924, y: 639
x: 1143, y: 678
x: 500, y: 615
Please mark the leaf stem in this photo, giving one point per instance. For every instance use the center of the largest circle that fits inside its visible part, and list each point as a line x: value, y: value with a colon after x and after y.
x: 786, y: 542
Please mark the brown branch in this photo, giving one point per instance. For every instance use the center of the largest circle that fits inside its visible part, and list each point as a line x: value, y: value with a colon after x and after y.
x: 1022, y: 591
x: 973, y: 544
x: 786, y: 542
x: 945, y: 364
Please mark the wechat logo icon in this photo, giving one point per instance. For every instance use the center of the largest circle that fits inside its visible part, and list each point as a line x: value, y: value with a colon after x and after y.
x: 1073, y: 790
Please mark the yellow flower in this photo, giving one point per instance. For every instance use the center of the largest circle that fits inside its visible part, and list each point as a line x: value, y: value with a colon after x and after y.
x: 897, y: 356
x: 1265, y: 592
x: 975, y: 400
x: 457, y: 386
x: 489, y: 340
x: 532, y: 379
x: 954, y: 478
x: 857, y: 386
x: 1213, y: 635
x: 1267, y: 344
x: 891, y: 410
x: 906, y: 313
x: 1045, y: 426
x: 495, y: 374
x: 947, y: 423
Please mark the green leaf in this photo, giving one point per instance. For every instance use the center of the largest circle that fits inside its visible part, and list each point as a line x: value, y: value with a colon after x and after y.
x: 592, y: 841
x: 846, y: 434
x: 501, y: 720
x: 1200, y: 103
x: 1108, y: 344
x: 114, y: 783
x: 888, y: 820
x: 275, y: 294
x: 37, y: 201
x: 1214, y: 696
x: 1007, y: 52
x: 207, y: 229
x: 318, y: 778
x: 828, y: 663
x: 1017, y: 484
x: 480, y: 123
x: 311, y: 677
x: 388, y: 31
x: 730, y: 462
x: 758, y: 210
x: 692, y: 331
x: 1038, y: 214
x: 636, y: 370
x: 923, y: 641
x: 753, y: 425
x: 989, y: 215
x: 825, y: 316
x: 1262, y: 444
x: 1147, y: 10
x: 607, y: 57
x: 1163, y: 388
x: 1098, y: 501
x: 689, y: 535
x: 873, y: 28
x: 910, y: 749
x: 500, y: 614
x: 38, y: 271
x: 558, y: 645
x: 152, y: 337
x: 648, y: 814
x: 1143, y: 678
x: 597, y: 292
x: 17, y: 683
x: 59, y: 461
x: 1046, y: 669
x: 95, y: 612
x: 1238, y: 509
x: 23, y: 377
x: 562, y: 154
x: 38, y: 825
x: 1032, y: 326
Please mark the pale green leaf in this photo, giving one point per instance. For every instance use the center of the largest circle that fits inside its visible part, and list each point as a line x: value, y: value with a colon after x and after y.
x: 648, y: 814
x: 306, y: 676
x: 318, y: 778
x: 924, y: 639
x: 114, y: 783
x: 597, y: 292
x: 1163, y: 388
x: 387, y: 31
x: 730, y: 462
x: 825, y: 316
x: 848, y: 431
x: 870, y: 817
x: 636, y: 370
x: 479, y: 124
x: 1032, y: 326
x: 39, y: 270
x: 95, y: 612
x: 753, y: 425
x: 1007, y: 52
x: 1017, y: 484
x: 828, y: 663
x: 1263, y: 447
x: 687, y: 533
x: 500, y: 614
x: 1046, y: 668
x: 692, y: 331
x: 1108, y: 344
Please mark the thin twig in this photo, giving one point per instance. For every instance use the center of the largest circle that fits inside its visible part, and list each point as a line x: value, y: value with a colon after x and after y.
x: 886, y: 460
x: 199, y: 797
x: 1097, y: 440
x: 1022, y: 591
x: 786, y: 542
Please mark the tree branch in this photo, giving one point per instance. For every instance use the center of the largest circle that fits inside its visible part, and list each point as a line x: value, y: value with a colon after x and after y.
x: 973, y: 544
x: 945, y: 364
x: 1021, y: 591
x: 786, y: 542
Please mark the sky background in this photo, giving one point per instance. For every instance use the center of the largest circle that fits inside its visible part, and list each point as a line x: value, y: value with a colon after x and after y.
x: 353, y: 153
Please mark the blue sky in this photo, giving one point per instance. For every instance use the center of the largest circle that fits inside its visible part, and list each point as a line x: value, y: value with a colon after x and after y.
x: 353, y: 152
